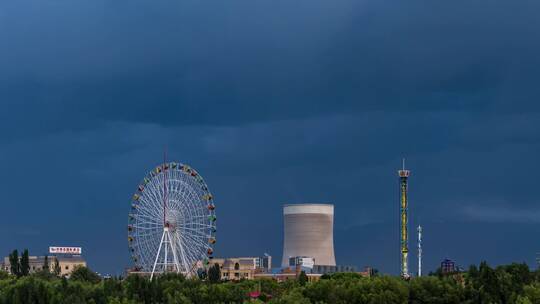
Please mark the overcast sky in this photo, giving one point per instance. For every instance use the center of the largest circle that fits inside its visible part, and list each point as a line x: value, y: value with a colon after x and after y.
x: 275, y: 102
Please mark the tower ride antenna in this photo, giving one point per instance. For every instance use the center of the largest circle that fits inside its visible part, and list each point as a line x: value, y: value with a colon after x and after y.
x: 419, y: 250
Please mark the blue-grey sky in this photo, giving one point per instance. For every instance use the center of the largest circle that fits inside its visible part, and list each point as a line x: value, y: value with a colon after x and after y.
x: 275, y: 102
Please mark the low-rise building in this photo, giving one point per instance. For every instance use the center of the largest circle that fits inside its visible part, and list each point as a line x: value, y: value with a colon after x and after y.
x: 242, y: 267
x: 67, y: 263
x: 448, y: 266
x: 313, y: 274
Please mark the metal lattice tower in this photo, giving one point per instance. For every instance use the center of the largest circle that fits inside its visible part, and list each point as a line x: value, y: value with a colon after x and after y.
x: 404, y: 234
x: 419, y: 250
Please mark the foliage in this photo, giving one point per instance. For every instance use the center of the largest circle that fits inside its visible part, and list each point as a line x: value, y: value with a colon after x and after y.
x: 214, y: 273
x: 83, y: 274
x: 202, y: 273
x: 511, y: 284
x: 14, y: 263
x: 46, y: 264
x: 302, y: 278
x: 56, y: 268
x: 434, y: 290
x: 25, y: 263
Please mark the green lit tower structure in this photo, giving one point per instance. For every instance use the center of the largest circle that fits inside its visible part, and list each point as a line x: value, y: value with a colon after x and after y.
x: 404, y: 234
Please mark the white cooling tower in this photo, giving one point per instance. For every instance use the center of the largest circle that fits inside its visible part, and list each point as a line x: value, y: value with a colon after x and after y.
x: 309, y: 232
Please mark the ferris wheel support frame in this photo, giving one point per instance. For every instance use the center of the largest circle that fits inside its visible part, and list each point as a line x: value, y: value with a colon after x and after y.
x: 167, y: 244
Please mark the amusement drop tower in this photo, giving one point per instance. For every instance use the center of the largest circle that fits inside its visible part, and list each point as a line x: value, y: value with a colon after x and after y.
x: 404, y: 236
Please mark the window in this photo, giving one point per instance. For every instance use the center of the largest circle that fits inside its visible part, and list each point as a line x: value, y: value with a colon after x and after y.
x: 67, y: 267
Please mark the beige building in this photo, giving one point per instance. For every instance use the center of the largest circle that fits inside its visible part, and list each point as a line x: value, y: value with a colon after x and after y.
x: 235, y: 269
x: 67, y: 263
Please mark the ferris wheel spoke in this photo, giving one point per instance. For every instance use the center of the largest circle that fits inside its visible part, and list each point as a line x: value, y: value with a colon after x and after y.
x: 149, y: 233
x: 199, y: 242
x: 186, y: 240
x: 194, y: 239
x: 152, y: 202
x: 188, y: 251
x: 151, y: 215
x: 149, y: 209
x: 146, y: 228
x: 146, y: 216
x: 200, y: 217
x: 197, y: 231
x: 184, y: 254
x: 143, y: 223
x: 155, y: 201
x: 196, y: 235
x: 197, y: 224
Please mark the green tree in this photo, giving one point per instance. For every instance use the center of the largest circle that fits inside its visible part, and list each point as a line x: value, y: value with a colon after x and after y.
x: 489, y: 284
x: 3, y: 275
x: 25, y: 263
x: 434, y: 290
x: 214, y: 273
x: 46, y: 264
x: 523, y: 300
x: 202, y: 274
x: 14, y: 263
x: 56, y: 268
x: 84, y: 274
x: 302, y: 278
x: 508, y: 284
x: 26, y: 290
x: 512, y: 279
x: 532, y: 292
x: 294, y: 297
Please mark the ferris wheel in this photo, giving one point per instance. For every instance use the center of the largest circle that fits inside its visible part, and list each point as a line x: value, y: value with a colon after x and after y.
x: 172, y: 223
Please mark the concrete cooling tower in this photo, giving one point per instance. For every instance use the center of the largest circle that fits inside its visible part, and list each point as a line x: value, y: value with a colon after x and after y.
x: 309, y: 232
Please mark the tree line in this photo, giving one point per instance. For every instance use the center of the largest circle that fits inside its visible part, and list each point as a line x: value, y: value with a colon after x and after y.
x: 507, y: 284
x: 21, y: 266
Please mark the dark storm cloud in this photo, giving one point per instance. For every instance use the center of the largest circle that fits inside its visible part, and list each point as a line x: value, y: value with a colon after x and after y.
x: 273, y: 102
x: 181, y: 63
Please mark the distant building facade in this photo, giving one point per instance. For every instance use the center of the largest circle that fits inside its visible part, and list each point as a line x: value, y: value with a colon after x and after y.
x: 234, y: 269
x: 249, y: 268
x: 309, y: 265
x: 448, y: 266
x: 325, y: 269
x: 302, y: 261
x: 315, y: 274
x: 264, y: 262
x: 67, y: 263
